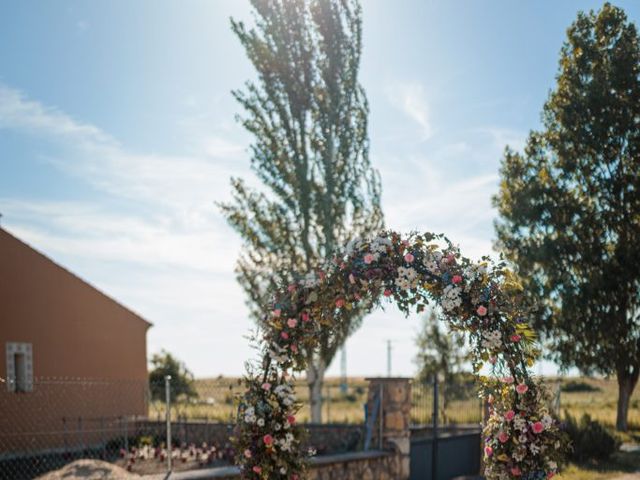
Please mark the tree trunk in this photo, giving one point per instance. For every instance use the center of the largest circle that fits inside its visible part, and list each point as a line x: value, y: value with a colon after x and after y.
x: 315, y: 380
x: 627, y: 380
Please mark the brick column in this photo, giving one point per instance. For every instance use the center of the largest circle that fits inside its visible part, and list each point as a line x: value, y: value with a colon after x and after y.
x: 396, y: 417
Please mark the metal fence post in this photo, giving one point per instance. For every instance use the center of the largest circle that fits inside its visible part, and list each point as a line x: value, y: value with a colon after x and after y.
x: 126, y: 433
x: 381, y: 418
x: 167, y: 396
x: 434, y: 449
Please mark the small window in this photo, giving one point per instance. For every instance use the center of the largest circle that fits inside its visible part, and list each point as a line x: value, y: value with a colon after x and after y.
x: 19, y: 367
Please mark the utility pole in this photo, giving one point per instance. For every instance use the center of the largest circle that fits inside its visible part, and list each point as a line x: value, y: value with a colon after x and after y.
x: 388, y: 358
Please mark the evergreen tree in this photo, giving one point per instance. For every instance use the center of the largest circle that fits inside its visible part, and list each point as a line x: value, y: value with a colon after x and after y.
x: 308, y: 114
x: 569, y: 205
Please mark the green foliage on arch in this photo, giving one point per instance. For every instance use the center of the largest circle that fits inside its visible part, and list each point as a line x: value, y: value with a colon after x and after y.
x: 522, y: 440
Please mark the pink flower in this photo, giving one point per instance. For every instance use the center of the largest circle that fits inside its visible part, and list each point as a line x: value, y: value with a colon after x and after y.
x: 257, y: 469
x: 266, y: 386
x: 409, y: 258
x: 521, y: 388
x: 291, y: 419
x: 352, y: 279
x: 387, y: 292
x: 368, y: 258
x: 284, y: 335
x: 503, y: 437
x: 451, y: 258
x: 488, y: 451
x: 550, y: 474
x: 305, y: 317
x: 291, y: 288
x: 482, y: 310
x: 340, y: 303
x: 456, y: 279
x: 276, y: 312
x: 247, y: 453
x: 509, y: 415
x: 516, y: 472
x: 294, y: 476
x: 268, y: 440
x: 294, y: 348
x: 292, y: 322
x: 493, y: 360
x: 537, y: 427
x: 515, y: 338
x: 507, y: 380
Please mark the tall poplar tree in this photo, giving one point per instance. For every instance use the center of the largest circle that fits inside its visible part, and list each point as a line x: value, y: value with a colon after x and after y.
x: 569, y: 204
x: 307, y: 114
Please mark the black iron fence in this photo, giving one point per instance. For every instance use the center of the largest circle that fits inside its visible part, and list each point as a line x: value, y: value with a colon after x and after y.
x: 453, y: 404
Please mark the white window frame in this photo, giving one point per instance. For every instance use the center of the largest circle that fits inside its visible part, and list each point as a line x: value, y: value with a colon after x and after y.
x: 19, y: 348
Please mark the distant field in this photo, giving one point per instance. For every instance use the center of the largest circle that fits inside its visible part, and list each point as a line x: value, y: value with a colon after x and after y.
x: 215, y: 401
x: 600, y: 404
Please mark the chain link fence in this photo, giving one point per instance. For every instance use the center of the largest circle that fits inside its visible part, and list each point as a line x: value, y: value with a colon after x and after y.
x: 65, y: 419
x: 131, y: 424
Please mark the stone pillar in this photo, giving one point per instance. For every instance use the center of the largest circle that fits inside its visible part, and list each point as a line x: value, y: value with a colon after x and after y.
x: 395, y: 406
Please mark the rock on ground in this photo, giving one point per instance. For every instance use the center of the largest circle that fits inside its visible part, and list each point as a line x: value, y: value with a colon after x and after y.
x: 89, y: 470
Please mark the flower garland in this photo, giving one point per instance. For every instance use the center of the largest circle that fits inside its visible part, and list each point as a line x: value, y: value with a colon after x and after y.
x: 522, y: 441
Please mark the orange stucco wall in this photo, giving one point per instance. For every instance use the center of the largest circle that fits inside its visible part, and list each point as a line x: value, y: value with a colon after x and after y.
x: 75, y: 329
x: 76, y: 332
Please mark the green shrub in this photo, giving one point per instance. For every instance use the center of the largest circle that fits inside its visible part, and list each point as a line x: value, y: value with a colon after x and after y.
x: 576, y: 386
x: 591, y: 441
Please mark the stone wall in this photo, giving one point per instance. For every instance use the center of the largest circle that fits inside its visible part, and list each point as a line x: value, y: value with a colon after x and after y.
x: 326, y: 439
x: 371, y: 465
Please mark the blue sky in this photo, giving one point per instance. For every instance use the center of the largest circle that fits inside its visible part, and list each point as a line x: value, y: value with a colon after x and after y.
x: 117, y: 135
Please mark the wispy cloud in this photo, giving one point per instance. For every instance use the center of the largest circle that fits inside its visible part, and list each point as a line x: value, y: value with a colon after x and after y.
x: 410, y: 98
x: 175, y: 255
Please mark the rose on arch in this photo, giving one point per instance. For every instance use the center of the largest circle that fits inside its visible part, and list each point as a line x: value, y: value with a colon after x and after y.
x: 412, y: 271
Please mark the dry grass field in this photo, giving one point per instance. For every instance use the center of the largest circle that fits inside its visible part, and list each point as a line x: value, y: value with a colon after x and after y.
x: 215, y: 401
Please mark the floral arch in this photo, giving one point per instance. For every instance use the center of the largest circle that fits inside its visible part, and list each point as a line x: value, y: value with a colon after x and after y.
x: 522, y: 440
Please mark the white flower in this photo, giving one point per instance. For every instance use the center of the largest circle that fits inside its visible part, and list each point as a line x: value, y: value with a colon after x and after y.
x: 519, y: 423
x: 552, y: 465
x: 277, y: 427
x: 451, y: 298
x: 380, y: 244
x: 310, y: 280
x: 283, y: 470
x: 522, y: 438
x: 407, y: 278
x: 492, y: 339
x: 547, y: 421
x: 260, y: 422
